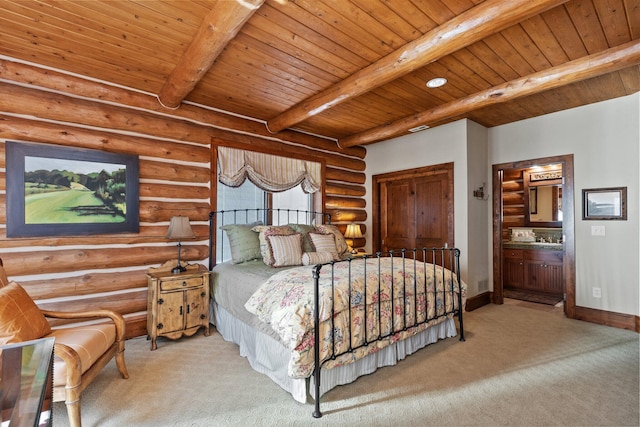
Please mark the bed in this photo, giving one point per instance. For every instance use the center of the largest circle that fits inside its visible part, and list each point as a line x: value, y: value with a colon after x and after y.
x: 373, y: 310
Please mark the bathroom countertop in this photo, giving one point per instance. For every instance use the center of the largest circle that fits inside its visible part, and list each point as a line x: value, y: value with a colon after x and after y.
x: 533, y: 245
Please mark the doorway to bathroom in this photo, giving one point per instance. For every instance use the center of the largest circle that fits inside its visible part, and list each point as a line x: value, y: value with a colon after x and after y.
x: 512, y: 208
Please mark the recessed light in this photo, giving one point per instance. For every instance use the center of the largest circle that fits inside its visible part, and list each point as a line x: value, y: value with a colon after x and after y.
x: 437, y: 82
x: 419, y: 128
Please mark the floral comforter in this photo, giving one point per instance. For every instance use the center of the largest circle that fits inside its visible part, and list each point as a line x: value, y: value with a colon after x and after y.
x: 285, y: 302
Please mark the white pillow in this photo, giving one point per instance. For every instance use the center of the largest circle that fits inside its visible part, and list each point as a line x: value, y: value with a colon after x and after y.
x: 286, y: 250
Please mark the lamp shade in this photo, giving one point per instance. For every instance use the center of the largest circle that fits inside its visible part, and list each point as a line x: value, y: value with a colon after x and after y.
x: 353, y: 231
x: 179, y: 228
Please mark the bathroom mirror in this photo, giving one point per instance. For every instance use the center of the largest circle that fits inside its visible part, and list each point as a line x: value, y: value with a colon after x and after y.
x: 543, y: 202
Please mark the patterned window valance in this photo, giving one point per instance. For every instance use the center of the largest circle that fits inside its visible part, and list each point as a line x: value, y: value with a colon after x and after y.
x: 269, y: 172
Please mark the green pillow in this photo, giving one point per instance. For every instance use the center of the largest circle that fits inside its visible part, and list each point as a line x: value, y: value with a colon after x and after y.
x: 243, y: 242
x: 304, y: 229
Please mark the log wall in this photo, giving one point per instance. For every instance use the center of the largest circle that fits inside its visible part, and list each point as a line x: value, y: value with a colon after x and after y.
x: 176, y: 149
x: 513, y: 201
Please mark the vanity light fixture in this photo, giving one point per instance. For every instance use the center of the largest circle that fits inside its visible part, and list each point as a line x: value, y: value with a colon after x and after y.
x: 436, y: 82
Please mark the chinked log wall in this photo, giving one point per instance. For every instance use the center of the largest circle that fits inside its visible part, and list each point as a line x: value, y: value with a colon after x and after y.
x: 175, y: 153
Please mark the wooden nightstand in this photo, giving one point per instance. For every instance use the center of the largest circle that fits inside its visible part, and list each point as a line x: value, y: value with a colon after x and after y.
x: 360, y: 254
x: 177, y: 304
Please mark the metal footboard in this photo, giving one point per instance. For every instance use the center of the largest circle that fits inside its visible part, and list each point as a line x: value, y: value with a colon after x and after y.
x: 407, y: 261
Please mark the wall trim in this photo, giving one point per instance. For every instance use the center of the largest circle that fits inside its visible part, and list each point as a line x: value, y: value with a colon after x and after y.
x: 478, y: 301
x: 608, y: 318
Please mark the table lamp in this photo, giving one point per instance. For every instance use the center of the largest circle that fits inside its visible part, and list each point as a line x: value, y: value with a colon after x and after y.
x: 179, y: 229
x: 353, y: 232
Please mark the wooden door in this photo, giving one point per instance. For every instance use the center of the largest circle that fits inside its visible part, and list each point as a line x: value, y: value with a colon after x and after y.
x: 431, y: 207
x: 413, y: 208
x: 397, y: 232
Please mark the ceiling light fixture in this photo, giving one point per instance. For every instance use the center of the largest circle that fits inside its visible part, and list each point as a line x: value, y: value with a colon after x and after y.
x: 437, y: 82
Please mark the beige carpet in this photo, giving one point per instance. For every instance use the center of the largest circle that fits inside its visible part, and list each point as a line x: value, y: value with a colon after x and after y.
x: 519, y: 367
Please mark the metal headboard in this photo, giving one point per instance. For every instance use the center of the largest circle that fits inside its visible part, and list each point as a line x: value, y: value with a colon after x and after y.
x: 269, y: 216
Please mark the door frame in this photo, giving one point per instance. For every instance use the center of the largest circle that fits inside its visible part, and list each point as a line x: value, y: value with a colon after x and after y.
x: 568, y: 227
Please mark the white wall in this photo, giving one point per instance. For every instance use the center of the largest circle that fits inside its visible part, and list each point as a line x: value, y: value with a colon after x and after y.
x: 479, y: 212
x: 604, y: 139
x: 443, y: 144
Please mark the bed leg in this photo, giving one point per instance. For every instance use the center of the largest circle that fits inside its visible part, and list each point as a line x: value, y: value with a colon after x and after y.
x: 461, y: 326
x: 316, y: 378
x: 316, y: 339
x: 460, y: 307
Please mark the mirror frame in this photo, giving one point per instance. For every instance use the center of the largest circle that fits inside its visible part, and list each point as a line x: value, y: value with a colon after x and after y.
x: 528, y: 184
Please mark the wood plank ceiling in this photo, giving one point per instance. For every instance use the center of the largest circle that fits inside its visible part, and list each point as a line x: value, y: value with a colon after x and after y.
x: 352, y: 70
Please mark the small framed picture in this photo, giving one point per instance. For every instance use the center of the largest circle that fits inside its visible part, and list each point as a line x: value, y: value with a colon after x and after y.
x: 604, y: 203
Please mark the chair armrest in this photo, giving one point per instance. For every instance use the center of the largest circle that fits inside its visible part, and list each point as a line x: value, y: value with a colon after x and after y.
x: 116, y: 317
x: 73, y: 363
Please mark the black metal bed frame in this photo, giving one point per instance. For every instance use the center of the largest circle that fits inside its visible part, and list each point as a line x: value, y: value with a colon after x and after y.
x: 429, y: 260
x: 448, y: 258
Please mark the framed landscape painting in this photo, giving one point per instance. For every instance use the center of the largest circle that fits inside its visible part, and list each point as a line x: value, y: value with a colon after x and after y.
x: 604, y: 203
x: 57, y: 191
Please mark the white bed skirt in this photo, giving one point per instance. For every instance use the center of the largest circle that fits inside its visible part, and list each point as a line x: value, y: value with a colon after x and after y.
x: 268, y: 356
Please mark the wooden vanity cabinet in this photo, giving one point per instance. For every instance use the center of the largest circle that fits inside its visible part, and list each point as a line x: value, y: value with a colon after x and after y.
x: 513, y: 268
x: 536, y: 270
x: 543, y: 271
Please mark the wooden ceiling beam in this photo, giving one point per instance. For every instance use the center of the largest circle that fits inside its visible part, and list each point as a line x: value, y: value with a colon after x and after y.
x: 587, y: 67
x: 465, y: 29
x: 218, y: 28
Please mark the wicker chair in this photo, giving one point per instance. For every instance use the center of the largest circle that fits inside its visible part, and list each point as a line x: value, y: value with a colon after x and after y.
x: 80, y: 351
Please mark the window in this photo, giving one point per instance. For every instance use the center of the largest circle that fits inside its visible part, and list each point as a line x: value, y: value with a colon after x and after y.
x: 249, y: 196
x: 253, y: 180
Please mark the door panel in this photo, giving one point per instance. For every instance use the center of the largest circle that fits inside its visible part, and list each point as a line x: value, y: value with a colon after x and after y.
x: 413, y: 208
x: 196, y: 306
x: 170, y: 311
x: 397, y: 232
x: 431, y: 212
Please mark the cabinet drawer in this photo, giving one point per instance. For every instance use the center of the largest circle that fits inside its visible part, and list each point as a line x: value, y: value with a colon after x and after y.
x: 180, y: 283
x: 513, y: 253
x: 542, y: 255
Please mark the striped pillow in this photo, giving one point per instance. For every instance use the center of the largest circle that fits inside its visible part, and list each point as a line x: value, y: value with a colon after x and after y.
x: 341, y: 244
x: 286, y: 250
x: 263, y: 237
x: 313, y: 258
x: 324, y: 243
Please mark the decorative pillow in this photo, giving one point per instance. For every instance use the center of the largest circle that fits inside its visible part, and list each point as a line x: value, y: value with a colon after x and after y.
x: 341, y: 244
x: 324, y: 243
x: 270, y: 230
x: 286, y: 250
x: 243, y: 241
x: 20, y: 317
x: 313, y: 258
x: 304, y: 230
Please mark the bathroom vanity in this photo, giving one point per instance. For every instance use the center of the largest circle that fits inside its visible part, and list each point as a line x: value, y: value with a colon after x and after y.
x: 533, y: 263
